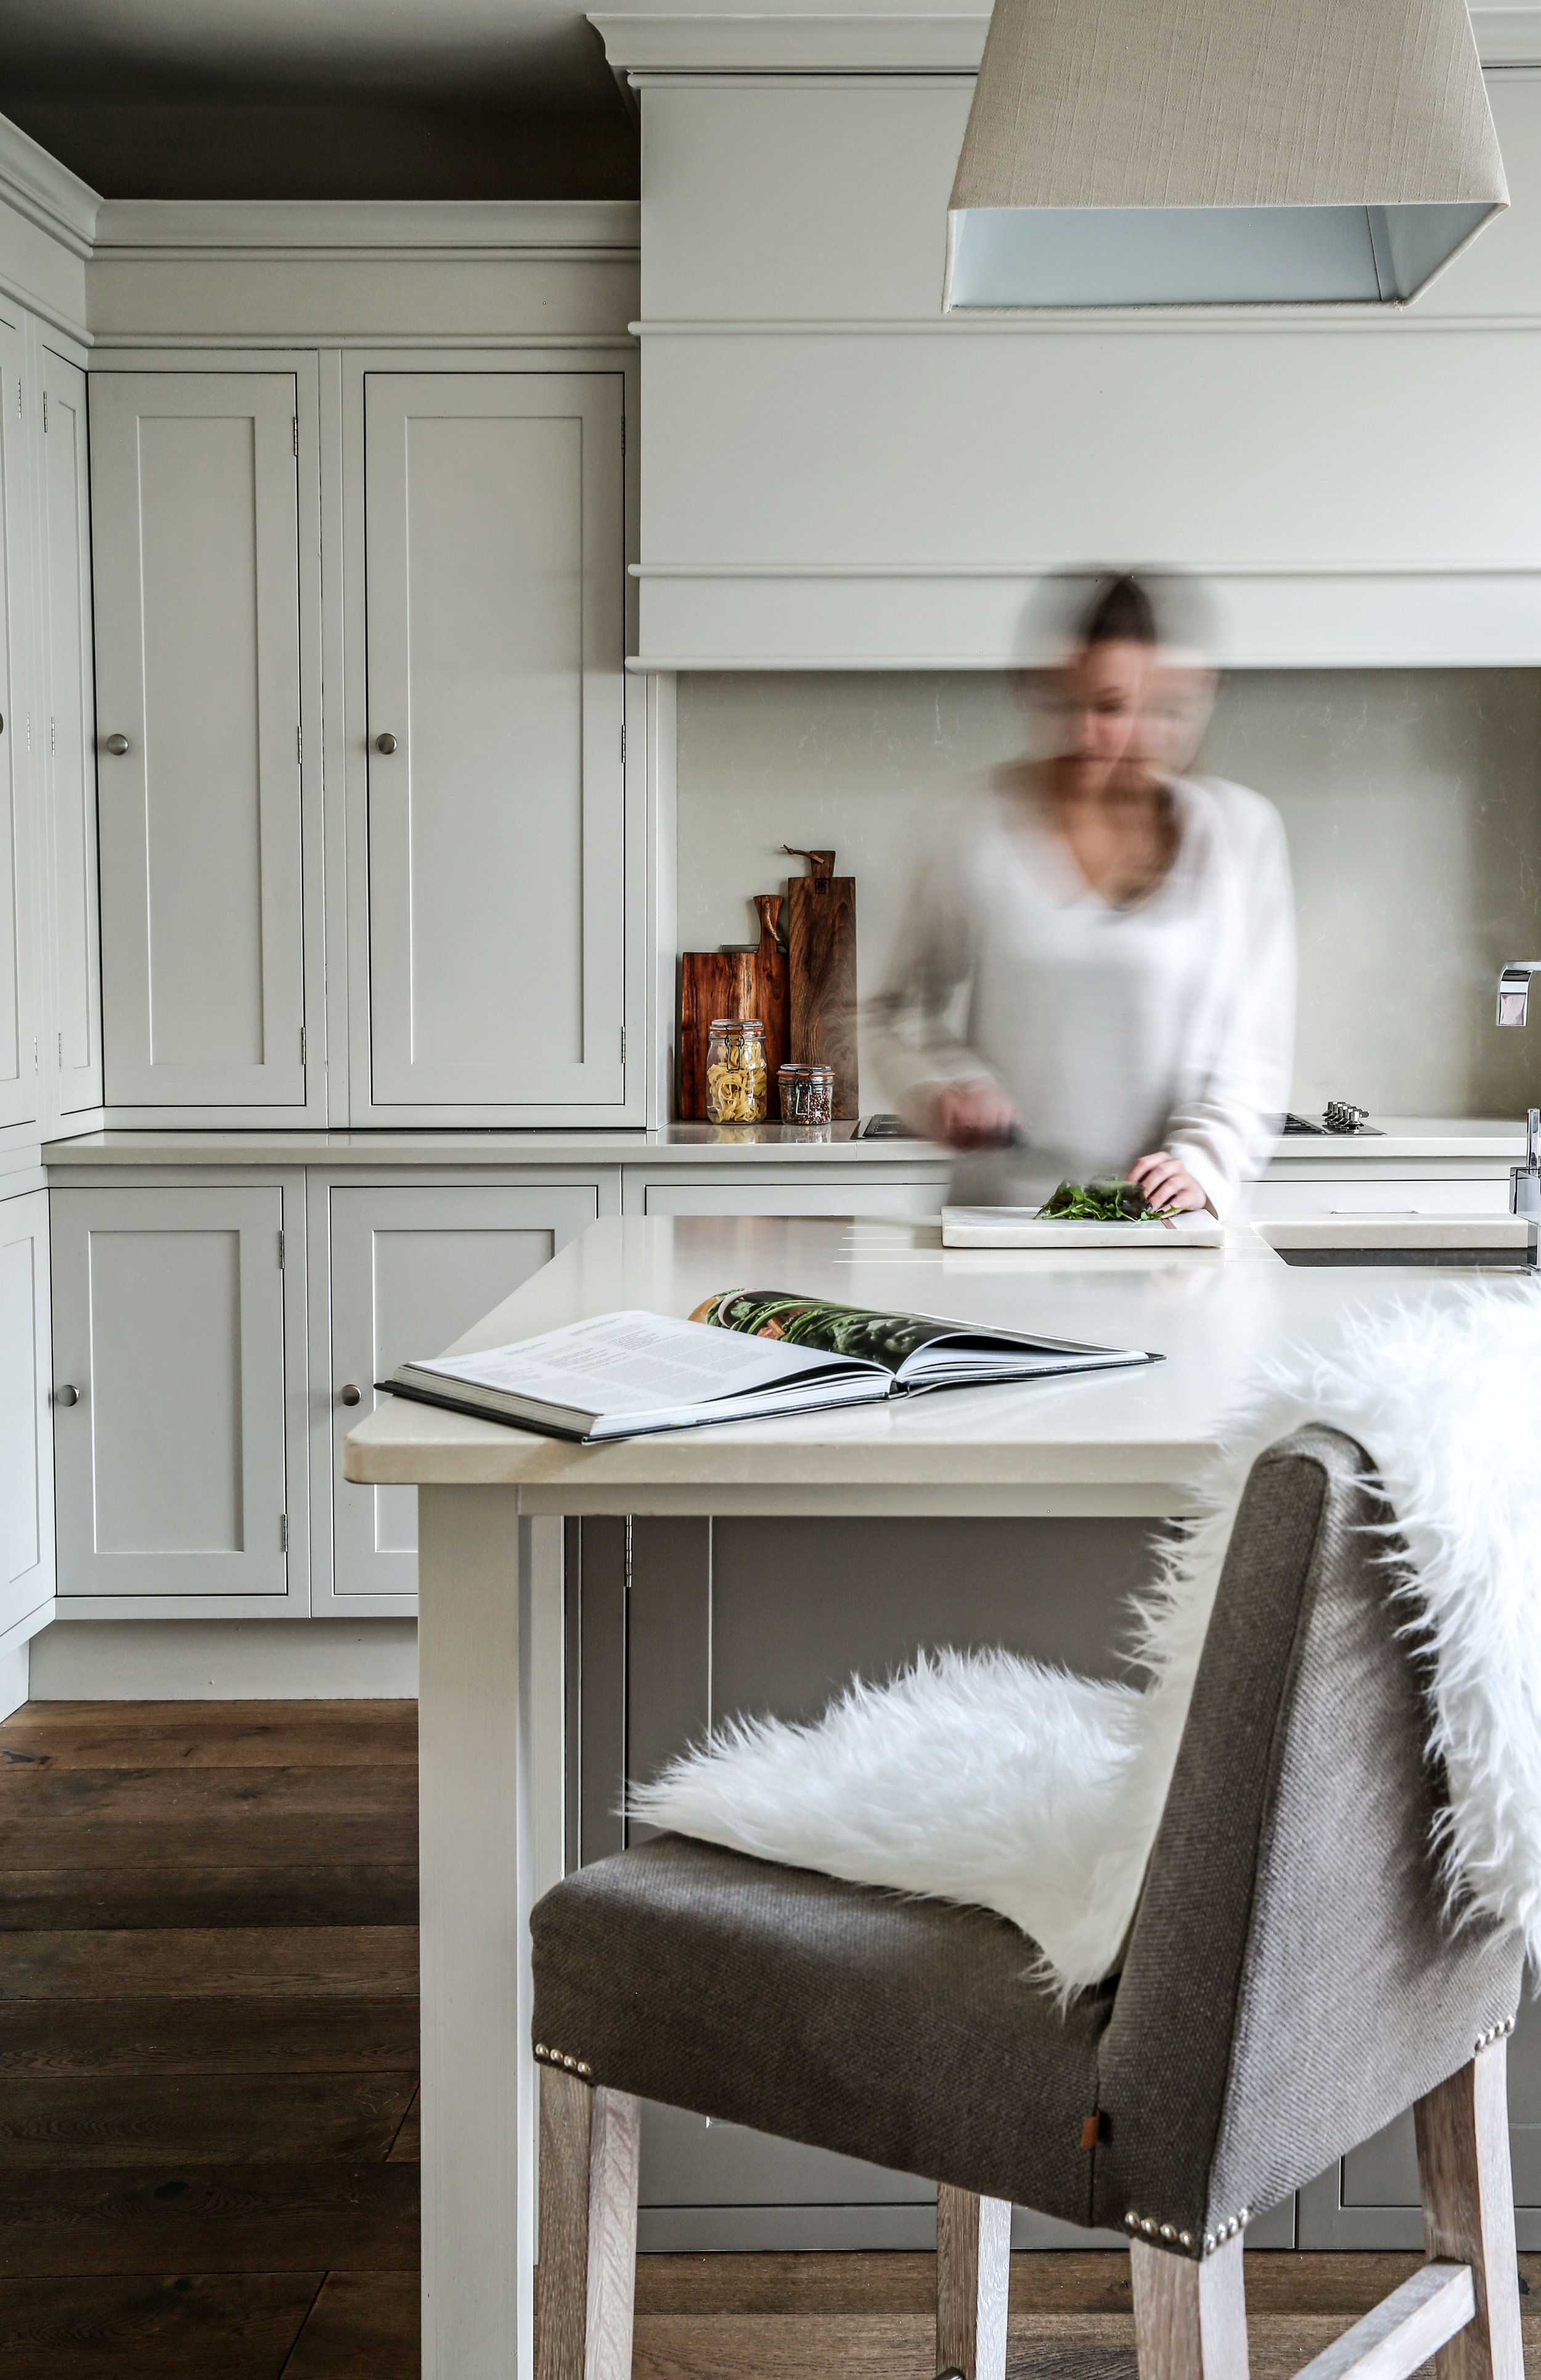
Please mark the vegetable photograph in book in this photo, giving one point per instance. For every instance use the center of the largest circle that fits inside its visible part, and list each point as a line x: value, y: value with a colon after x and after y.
x: 886, y: 1339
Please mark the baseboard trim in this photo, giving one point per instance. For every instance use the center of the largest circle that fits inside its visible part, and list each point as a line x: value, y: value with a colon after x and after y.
x: 14, y: 1667
x: 220, y: 1660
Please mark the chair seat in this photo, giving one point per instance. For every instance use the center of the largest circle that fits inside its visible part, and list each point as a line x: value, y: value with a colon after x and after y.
x: 909, y: 2032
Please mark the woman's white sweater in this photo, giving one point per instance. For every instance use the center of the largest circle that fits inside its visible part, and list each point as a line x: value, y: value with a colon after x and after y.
x: 1169, y: 1023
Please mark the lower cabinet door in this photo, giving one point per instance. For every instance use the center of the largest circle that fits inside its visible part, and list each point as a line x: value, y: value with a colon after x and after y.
x: 1369, y: 2199
x: 412, y: 1268
x: 26, y: 1456
x: 169, y: 1328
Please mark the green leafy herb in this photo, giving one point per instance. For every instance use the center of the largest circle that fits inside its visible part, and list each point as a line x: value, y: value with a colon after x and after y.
x: 1107, y: 1200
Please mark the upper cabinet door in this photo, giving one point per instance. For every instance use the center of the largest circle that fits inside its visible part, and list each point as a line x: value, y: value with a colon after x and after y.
x: 19, y: 1049
x: 69, y: 749
x: 496, y: 582
x: 195, y: 548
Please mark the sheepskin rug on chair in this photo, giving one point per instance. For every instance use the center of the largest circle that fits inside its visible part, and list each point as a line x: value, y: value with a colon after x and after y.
x: 988, y: 1779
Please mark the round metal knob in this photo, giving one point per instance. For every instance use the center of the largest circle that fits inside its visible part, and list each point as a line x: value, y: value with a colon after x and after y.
x: 386, y: 744
x: 67, y: 1395
x: 351, y: 1394
x: 117, y: 746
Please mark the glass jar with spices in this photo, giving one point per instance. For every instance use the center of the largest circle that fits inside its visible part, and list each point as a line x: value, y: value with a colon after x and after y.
x: 819, y: 1096
x: 737, y: 1088
x: 792, y: 1082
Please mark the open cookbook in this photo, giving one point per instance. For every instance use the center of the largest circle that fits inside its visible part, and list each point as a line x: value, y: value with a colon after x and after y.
x: 744, y: 1355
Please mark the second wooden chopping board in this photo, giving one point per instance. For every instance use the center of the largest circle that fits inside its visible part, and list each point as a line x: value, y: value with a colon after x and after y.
x: 821, y: 970
x: 735, y: 984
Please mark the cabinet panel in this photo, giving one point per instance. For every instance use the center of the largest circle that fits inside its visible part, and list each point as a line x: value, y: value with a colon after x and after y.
x: 70, y: 748
x: 18, y: 1025
x: 703, y: 1196
x: 1370, y: 2198
x: 495, y: 601
x: 195, y: 517
x: 411, y: 1270
x: 168, y: 1321
x: 26, y: 1451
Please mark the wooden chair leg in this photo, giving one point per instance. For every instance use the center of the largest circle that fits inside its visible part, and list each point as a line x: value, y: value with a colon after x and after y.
x: 974, y: 2269
x: 589, y: 2141
x: 1190, y: 2314
x: 1468, y: 2193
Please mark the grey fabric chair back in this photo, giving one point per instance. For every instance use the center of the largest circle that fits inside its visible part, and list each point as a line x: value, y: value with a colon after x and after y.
x: 1292, y: 1979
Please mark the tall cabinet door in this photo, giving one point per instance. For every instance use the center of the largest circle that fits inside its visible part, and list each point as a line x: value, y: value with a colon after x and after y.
x: 170, y: 1455
x: 26, y: 1451
x: 70, y: 744
x: 19, y: 1051
x: 411, y: 1269
x: 195, y: 522
x: 496, y: 582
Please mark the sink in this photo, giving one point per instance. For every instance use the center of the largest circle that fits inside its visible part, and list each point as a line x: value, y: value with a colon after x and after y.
x: 1513, y: 1259
x: 1468, y: 1243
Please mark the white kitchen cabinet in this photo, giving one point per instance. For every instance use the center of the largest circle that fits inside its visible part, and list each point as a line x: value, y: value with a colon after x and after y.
x: 195, y: 512
x: 178, y: 1472
x: 410, y: 1270
x: 69, y: 747
x: 495, y: 601
x: 26, y: 1447
x: 19, y: 1024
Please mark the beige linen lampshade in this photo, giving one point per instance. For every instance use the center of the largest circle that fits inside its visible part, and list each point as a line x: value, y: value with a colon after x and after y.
x: 1183, y: 152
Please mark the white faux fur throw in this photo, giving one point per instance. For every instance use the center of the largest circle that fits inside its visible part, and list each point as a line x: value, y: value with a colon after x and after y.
x: 986, y: 1779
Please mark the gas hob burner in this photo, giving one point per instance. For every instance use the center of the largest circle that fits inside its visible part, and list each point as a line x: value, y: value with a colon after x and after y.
x: 1340, y: 1120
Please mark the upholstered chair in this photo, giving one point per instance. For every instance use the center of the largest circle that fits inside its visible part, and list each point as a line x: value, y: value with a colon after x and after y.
x: 1292, y: 1982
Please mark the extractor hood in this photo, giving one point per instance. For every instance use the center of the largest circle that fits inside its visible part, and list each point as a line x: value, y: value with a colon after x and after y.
x: 1204, y: 152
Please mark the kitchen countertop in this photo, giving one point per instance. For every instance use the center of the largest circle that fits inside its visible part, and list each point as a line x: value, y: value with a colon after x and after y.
x: 1403, y: 1140
x: 1127, y: 1442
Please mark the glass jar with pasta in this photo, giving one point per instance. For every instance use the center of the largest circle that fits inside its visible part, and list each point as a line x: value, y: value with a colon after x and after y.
x: 737, y: 1089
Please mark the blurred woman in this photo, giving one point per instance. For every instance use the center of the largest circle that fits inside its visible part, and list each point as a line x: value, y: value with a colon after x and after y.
x: 1095, y: 971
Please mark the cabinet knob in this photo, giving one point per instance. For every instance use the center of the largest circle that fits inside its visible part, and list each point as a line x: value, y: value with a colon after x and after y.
x: 117, y: 746
x: 386, y: 744
x: 67, y: 1395
x: 351, y: 1394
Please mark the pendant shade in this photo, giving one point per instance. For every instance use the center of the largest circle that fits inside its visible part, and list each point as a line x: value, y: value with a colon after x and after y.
x: 1194, y: 152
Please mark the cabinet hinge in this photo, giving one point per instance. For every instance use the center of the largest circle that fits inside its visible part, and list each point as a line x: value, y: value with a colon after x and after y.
x: 34, y: 1053
x: 302, y: 1045
x: 622, y: 1045
x: 296, y: 437
x: 19, y: 400
x: 45, y: 413
x: 52, y: 745
x: 280, y: 1251
x: 61, y: 1054
x: 622, y: 747
x: 282, y: 1533
x: 299, y: 745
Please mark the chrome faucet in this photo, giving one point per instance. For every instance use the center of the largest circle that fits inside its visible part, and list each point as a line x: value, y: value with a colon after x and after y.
x: 1524, y: 1181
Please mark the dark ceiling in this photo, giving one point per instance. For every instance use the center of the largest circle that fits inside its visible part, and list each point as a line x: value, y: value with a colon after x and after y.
x: 320, y: 99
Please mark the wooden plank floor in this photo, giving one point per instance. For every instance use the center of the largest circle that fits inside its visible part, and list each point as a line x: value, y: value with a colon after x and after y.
x: 209, y: 2041
x: 208, y: 2094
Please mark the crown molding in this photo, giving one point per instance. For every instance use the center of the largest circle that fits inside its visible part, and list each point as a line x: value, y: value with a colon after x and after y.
x: 894, y: 39
x: 46, y: 192
x: 150, y: 228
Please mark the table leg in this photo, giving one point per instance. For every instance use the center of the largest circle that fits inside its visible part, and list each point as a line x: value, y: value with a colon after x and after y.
x: 474, y: 1836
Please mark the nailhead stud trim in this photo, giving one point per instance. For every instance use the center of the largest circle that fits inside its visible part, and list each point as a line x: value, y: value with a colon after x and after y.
x: 1494, y: 2032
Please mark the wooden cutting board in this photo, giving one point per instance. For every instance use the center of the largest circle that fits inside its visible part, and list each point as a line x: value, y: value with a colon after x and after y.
x: 822, y: 947
x: 737, y: 984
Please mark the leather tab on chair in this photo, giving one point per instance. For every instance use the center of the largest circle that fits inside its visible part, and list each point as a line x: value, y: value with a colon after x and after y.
x: 1095, y: 2128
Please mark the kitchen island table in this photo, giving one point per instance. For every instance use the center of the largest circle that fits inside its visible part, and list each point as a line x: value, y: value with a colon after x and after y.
x: 1125, y: 1443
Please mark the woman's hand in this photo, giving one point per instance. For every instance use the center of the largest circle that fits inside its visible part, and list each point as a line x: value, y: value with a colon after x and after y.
x: 1167, y: 1183
x: 968, y: 1115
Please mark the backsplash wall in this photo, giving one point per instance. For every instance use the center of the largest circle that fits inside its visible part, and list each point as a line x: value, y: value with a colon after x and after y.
x: 1412, y: 801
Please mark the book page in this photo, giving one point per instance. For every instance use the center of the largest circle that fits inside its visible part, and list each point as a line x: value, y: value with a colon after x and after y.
x: 633, y: 1363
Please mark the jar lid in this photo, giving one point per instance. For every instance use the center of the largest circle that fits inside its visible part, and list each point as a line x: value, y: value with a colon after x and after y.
x: 792, y: 1066
x: 736, y: 1025
x: 824, y: 1074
